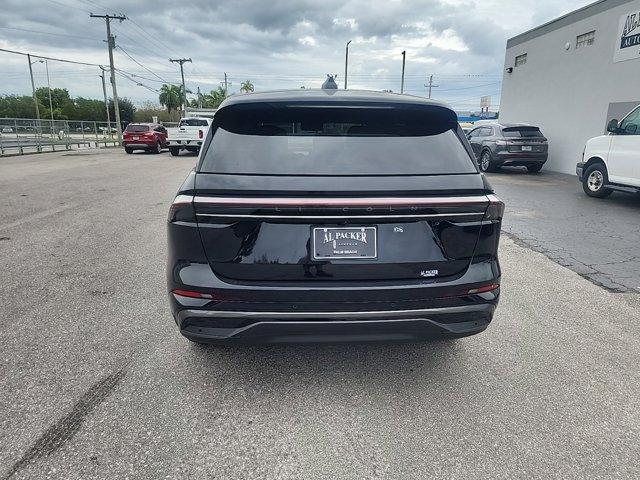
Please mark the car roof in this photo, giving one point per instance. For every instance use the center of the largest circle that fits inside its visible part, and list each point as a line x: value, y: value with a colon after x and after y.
x: 328, y: 96
x: 504, y: 125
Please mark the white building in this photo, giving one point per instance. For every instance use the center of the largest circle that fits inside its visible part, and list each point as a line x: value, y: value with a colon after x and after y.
x: 572, y: 75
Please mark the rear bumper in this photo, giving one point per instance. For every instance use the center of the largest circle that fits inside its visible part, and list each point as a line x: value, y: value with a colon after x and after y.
x: 184, y: 143
x: 520, y: 159
x: 312, y: 327
x: 139, y: 145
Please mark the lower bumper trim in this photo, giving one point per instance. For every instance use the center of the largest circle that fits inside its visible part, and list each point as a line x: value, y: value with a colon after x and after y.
x: 314, y: 327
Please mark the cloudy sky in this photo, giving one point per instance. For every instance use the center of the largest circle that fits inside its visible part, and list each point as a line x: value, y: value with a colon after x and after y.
x: 272, y: 43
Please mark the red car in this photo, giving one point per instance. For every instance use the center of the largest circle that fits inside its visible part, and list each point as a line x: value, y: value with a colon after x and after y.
x: 144, y: 136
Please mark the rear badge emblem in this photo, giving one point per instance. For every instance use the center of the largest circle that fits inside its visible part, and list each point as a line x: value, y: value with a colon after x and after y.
x: 428, y: 273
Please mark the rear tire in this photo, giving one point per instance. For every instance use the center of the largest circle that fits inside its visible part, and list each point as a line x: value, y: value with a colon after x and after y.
x: 594, y: 181
x: 485, y: 162
x: 175, y: 151
x: 128, y: 150
x: 534, y: 168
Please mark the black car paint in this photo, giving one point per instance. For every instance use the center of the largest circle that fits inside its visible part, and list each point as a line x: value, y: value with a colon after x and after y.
x: 269, y: 290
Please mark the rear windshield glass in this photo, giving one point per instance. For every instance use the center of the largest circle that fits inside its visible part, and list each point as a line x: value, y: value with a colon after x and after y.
x: 137, y: 128
x: 193, y: 122
x: 385, y: 139
x: 518, y: 132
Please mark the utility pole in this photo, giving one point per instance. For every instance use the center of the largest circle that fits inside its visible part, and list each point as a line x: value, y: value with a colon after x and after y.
x: 430, y: 85
x: 182, y: 61
x: 33, y: 89
x: 226, y: 84
x: 111, y: 44
x: 346, y: 63
x: 199, y: 99
x: 404, y: 55
x: 106, y: 101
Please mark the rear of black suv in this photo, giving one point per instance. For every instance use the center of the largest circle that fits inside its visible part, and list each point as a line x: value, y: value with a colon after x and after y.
x: 333, y: 216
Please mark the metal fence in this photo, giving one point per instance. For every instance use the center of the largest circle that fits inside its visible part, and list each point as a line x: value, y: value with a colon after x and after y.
x: 27, y: 135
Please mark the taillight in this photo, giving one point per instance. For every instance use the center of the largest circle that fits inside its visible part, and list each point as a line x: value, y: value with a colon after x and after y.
x: 191, y: 294
x: 182, y: 210
x: 495, y: 210
x: 484, y: 288
x: 200, y: 134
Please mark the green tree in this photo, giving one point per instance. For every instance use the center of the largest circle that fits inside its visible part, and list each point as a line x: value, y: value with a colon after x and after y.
x: 214, y: 98
x: 14, y: 106
x: 63, y: 105
x: 170, y: 97
x: 127, y: 110
x: 246, y: 86
x: 150, y: 110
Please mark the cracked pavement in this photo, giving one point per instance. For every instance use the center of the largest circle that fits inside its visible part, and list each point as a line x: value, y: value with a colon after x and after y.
x: 96, y: 382
x: 596, y: 238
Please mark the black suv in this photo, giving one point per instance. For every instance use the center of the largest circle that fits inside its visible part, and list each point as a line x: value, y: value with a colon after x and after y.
x: 508, y: 144
x: 333, y: 216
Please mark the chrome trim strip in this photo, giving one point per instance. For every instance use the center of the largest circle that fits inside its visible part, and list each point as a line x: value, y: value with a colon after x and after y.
x: 339, y: 217
x: 368, y: 315
x: 342, y: 201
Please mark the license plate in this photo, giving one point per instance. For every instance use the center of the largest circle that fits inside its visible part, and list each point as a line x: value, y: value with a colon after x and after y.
x: 347, y: 242
x: 136, y: 138
x: 527, y: 148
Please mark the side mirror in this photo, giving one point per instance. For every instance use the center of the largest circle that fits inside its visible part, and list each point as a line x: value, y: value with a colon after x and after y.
x: 612, y: 127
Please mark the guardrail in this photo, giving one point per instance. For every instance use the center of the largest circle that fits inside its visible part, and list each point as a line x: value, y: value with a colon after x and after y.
x: 19, y: 136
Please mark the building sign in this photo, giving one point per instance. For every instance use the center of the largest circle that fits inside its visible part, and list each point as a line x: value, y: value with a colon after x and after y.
x: 628, y: 39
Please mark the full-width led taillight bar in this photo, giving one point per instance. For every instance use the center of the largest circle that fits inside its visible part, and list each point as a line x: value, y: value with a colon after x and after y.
x: 340, y: 201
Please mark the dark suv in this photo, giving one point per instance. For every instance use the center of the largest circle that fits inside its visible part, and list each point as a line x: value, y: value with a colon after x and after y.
x: 333, y: 216
x: 508, y: 144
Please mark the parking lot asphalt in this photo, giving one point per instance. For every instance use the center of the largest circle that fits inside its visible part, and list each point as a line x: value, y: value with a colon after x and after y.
x: 597, y: 238
x: 95, y: 381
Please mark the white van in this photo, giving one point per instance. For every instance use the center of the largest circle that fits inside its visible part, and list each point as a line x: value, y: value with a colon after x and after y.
x: 612, y: 162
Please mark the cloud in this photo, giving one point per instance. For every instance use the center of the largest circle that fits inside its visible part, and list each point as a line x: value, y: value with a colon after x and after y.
x: 275, y: 44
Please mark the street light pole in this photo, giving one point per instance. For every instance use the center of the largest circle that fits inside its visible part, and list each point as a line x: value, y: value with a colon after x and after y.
x: 46, y: 65
x: 404, y: 54
x: 346, y: 63
x: 33, y: 88
x: 106, y: 101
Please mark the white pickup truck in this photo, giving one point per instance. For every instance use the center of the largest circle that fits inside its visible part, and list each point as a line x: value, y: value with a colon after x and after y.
x: 612, y: 162
x: 188, y: 135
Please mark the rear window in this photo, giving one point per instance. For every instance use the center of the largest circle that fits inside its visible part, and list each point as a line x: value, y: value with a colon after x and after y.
x: 193, y: 122
x: 520, y: 132
x: 137, y: 128
x: 326, y: 139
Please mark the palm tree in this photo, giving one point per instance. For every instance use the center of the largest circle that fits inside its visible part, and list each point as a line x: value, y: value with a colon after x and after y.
x: 246, y: 86
x: 214, y: 98
x: 171, y: 97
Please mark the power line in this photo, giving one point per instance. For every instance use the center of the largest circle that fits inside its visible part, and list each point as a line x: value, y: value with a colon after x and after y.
x: 50, y: 58
x: 150, y: 36
x: 137, y: 62
x: 47, y: 33
x: 124, y: 75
